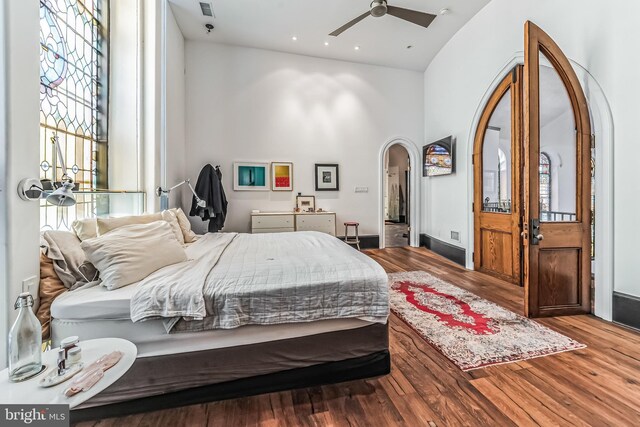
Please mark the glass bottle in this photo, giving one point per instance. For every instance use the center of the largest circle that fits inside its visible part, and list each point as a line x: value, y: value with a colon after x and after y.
x: 25, y: 341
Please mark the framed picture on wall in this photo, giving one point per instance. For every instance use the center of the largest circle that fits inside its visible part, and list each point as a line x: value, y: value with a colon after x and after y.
x: 249, y: 176
x: 327, y: 178
x: 306, y: 203
x: 438, y: 158
x: 282, y: 176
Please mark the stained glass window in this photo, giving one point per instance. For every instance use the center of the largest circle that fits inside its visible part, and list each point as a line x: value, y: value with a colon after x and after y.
x: 73, y: 90
x: 545, y: 183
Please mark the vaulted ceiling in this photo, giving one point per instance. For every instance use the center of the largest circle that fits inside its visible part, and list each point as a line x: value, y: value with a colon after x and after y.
x: 272, y: 24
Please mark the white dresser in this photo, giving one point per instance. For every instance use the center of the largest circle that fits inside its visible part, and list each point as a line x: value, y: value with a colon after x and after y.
x: 278, y: 222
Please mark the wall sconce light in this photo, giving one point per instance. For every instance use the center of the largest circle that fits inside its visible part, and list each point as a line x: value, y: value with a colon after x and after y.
x: 31, y: 188
x: 165, y: 192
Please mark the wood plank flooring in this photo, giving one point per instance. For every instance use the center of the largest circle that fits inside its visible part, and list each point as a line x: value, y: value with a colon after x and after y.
x: 597, y: 386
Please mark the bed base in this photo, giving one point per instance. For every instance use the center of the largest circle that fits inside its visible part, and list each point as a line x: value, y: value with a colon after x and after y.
x: 372, y: 365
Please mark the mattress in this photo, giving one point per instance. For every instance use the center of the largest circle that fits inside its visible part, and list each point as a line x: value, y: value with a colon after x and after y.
x: 152, y: 339
x: 94, y: 303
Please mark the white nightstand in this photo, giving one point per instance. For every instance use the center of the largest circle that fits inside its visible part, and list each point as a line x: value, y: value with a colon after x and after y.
x: 30, y: 392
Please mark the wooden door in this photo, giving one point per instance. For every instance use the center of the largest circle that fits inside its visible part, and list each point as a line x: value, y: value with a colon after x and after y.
x: 497, y: 182
x: 557, y: 261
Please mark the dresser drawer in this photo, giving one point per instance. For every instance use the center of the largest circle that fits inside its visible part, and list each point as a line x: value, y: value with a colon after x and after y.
x: 272, y: 221
x: 272, y: 230
x: 324, y: 223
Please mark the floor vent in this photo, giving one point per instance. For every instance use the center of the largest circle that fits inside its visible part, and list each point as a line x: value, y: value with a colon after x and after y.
x: 206, y: 8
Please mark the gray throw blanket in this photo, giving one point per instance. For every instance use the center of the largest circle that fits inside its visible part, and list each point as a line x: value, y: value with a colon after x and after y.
x: 69, y: 261
x: 233, y: 280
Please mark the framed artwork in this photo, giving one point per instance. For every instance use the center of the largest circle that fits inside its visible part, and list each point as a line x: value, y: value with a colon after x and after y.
x: 306, y: 203
x: 327, y: 178
x: 248, y: 176
x: 438, y: 158
x: 282, y: 176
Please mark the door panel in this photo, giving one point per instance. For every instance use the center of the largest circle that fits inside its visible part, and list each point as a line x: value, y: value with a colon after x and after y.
x: 557, y: 268
x: 497, y: 194
x: 497, y: 252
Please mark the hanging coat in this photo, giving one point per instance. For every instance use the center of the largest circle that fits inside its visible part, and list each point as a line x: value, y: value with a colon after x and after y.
x: 209, y: 188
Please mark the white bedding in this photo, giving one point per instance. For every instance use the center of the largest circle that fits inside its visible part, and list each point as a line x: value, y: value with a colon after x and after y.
x: 264, y: 279
x: 98, y: 313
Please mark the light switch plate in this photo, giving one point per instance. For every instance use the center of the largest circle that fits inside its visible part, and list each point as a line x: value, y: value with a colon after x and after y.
x: 30, y: 284
x: 362, y: 189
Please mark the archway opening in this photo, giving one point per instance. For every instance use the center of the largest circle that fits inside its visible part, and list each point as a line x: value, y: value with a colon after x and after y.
x: 396, y: 200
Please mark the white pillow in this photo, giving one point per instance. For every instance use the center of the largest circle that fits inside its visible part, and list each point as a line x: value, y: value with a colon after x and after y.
x: 85, y: 228
x: 172, y: 219
x: 130, y: 253
x: 185, y: 225
x: 107, y: 224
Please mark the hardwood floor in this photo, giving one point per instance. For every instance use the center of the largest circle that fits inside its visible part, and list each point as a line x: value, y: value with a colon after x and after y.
x: 598, y: 386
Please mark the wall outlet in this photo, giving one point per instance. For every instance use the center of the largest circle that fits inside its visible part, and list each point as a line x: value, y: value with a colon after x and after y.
x: 30, y: 284
x: 362, y: 189
x: 455, y: 235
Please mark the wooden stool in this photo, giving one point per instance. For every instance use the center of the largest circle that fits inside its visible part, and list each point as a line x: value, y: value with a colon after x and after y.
x: 354, y: 240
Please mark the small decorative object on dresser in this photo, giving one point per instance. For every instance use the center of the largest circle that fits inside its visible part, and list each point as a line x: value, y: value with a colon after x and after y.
x: 306, y: 203
x: 327, y: 177
x: 282, y: 176
x: 249, y: 176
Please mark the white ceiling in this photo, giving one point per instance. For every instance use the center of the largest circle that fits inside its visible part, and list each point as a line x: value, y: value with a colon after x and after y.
x: 270, y: 24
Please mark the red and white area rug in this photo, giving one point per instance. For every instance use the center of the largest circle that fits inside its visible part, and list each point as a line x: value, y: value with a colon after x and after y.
x: 470, y: 331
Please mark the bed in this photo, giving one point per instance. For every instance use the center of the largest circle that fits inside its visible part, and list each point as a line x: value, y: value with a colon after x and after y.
x: 278, y: 311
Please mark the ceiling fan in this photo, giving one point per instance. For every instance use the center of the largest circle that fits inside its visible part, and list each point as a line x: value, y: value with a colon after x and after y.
x: 380, y: 8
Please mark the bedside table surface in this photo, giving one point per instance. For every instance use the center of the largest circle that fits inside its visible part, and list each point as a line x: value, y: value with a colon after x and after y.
x: 29, y: 391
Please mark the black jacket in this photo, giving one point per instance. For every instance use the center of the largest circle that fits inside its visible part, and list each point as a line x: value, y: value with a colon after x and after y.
x: 209, y: 188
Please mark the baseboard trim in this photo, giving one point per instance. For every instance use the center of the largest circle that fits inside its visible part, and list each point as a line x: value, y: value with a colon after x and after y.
x: 626, y: 310
x: 367, y: 242
x: 447, y: 250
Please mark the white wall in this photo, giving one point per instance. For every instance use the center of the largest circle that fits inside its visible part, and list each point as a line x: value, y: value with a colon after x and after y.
x: 124, y: 96
x: 152, y: 100
x: 175, y: 108
x: 255, y: 105
x: 601, y: 36
x: 21, y: 29
x: 4, y: 318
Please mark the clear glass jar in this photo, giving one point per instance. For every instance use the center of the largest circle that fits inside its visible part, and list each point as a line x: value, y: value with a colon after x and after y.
x: 25, y: 341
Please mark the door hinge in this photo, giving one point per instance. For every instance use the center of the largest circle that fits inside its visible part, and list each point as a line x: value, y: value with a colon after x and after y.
x: 593, y: 141
x: 473, y: 206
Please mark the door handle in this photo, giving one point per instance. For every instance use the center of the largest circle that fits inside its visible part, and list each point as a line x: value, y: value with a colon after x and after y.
x: 536, y: 236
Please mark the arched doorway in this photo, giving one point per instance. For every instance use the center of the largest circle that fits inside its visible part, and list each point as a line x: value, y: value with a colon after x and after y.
x: 397, y: 220
x: 539, y: 232
x: 411, y: 194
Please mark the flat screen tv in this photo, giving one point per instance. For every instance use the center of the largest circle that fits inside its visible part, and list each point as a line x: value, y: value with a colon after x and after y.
x: 438, y: 158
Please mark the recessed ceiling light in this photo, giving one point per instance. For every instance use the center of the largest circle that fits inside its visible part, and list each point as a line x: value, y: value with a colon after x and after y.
x: 444, y: 11
x: 294, y: 38
x: 357, y: 47
x: 326, y: 43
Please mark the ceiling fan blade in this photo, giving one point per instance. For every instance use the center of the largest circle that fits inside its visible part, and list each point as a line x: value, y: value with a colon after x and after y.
x: 350, y: 24
x: 420, y: 18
